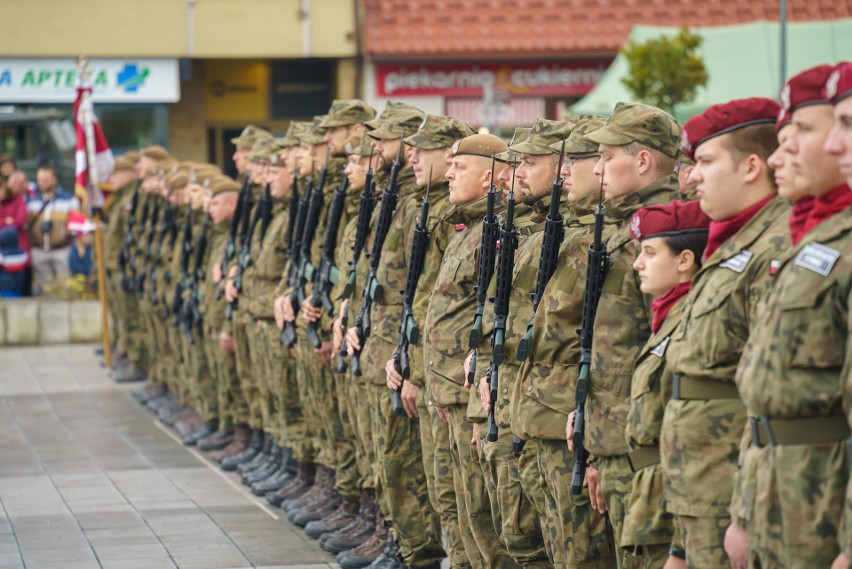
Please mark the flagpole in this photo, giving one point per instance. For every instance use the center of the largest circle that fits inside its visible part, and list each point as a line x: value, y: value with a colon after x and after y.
x: 92, y: 171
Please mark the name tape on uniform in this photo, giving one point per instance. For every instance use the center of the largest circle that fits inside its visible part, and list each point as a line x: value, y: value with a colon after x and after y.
x: 817, y: 258
x: 738, y: 262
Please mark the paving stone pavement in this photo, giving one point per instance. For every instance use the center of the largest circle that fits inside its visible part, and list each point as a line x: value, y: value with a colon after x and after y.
x: 89, y: 480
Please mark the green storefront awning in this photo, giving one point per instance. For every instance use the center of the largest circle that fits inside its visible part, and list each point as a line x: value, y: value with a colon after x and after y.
x: 741, y: 60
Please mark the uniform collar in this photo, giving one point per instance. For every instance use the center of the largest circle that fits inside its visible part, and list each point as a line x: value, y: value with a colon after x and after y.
x: 750, y: 232
x: 622, y: 208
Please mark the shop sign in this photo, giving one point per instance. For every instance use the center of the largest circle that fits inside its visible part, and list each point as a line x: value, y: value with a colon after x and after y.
x: 113, y: 80
x: 544, y: 78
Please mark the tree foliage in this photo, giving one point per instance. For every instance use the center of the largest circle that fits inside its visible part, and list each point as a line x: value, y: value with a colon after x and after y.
x: 665, y: 71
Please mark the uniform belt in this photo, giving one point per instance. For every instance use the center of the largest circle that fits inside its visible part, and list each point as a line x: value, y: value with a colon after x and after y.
x: 642, y: 457
x: 800, y: 431
x: 688, y: 388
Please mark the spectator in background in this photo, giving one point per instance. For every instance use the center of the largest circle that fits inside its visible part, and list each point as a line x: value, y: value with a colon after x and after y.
x: 13, y: 262
x: 48, y: 213
x: 8, y: 164
x: 23, y: 189
x: 20, y: 184
x: 80, y: 261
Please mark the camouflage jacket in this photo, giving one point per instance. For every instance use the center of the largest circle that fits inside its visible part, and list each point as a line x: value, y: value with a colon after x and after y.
x: 718, y: 314
x: 622, y: 324
x: 115, y: 229
x: 267, y: 265
x: 212, y: 309
x: 798, y: 362
x: 452, y: 305
x: 544, y: 391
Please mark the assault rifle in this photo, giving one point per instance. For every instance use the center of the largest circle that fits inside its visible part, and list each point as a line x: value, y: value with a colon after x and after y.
x: 595, y: 275
x: 303, y: 269
x: 194, y: 313
x: 131, y: 244
x: 487, y: 257
x: 505, y: 266
x: 183, y: 283
x: 372, y: 288
x: 153, y: 222
x: 231, y: 247
x: 293, y: 212
x: 365, y: 213
x: 327, y: 274
x: 124, y: 255
x: 244, y: 256
x: 409, y: 332
x: 288, y: 334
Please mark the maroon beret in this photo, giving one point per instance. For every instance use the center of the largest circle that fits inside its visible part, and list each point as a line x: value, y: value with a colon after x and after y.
x: 805, y: 88
x: 674, y: 218
x: 839, y: 83
x: 725, y: 118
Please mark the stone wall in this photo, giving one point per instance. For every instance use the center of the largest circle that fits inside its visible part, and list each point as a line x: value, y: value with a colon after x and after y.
x: 37, y: 321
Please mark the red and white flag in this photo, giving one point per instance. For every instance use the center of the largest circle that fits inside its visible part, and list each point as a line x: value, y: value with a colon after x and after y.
x: 94, y: 159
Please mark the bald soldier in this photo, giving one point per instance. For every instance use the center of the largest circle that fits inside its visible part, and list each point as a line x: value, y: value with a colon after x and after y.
x: 449, y: 314
x: 638, y: 146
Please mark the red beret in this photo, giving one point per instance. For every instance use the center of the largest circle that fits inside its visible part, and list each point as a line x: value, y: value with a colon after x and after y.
x: 839, y: 83
x: 806, y: 88
x: 674, y: 218
x: 725, y: 118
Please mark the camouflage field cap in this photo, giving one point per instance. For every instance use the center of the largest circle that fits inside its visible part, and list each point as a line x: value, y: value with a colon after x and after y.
x: 345, y: 112
x: 358, y: 144
x: 510, y: 156
x: 155, y: 152
x: 637, y: 122
x: 314, y: 134
x: 486, y: 145
x: 203, y: 174
x: 132, y: 155
x: 261, y: 150
x: 289, y: 139
x: 249, y: 136
x: 222, y: 184
x: 405, y: 121
x: 177, y: 180
x: 543, y: 133
x: 390, y: 108
x: 437, y: 131
x: 578, y: 142
x: 123, y: 164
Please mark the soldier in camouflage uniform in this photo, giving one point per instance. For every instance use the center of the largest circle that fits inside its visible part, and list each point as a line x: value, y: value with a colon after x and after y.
x: 449, y: 315
x: 403, y: 485
x: 431, y: 146
x: 704, y: 421
x: 515, y: 517
x: 672, y: 240
x: 796, y: 468
x: 539, y: 408
x: 638, y: 146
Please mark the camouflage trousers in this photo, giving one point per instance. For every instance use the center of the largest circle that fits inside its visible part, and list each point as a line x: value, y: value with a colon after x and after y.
x: 581, y: 536
x: 513, y: 513
x: 703, y: 541
x: 798, y: 505
x: 118, y: 329
x: 441, y: 483
x: 243, y: 331
x: 135, y: 346
x: 320, y: 404
x: 415, y: 523
x: 229, y: 399
x: 199, y: 376
x: 616, y: 485
x: 278, y: 368
x: 358, y: 408
x: 148, y: 342
x: 475, y: 512
x: 258, y: 390
x: 347, y: 475
x: 183, y: 373
x: 305, y: 375
x: 648, y: 530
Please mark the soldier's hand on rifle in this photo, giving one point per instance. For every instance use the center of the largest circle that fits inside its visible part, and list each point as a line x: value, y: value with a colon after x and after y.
x: 337, y: 333
x: 278, y: 311
x: 593, y: 482
x: 409, y: 399
x: 353, y: 342
x: 485, y: 393
x: 841, y: 562
x: 475, y: 440
x: 310, y: 313
x: 324, y: 354
x: 217, y: 273
x: 289, y: 313
x: 231, y: 293
x: 467, y: 369
x: 569, y: 431
x: 392, y: 378
x: 226, y: 342
x: 736, y: 546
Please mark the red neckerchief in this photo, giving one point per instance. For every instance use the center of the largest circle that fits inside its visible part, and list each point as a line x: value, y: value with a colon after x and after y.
x: 661, y: 306
x: 721, y: 231
x: 835, y: 201
x: 798, y: 217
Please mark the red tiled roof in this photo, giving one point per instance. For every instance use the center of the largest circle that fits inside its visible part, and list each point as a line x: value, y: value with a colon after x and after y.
x: 453, y: 29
